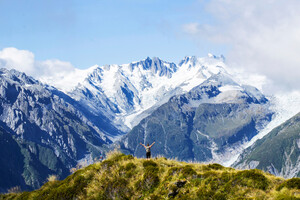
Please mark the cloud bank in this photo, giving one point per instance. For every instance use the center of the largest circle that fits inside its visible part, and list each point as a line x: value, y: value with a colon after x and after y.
x: 22, y: 60
x: 263, y: 36
x: 60, y: 73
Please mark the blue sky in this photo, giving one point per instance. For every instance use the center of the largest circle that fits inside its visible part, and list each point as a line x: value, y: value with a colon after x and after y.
x: 44, y: 37
x: 104, y: 32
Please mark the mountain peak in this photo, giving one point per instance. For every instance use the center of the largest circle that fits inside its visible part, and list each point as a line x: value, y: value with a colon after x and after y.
x: 16, y: 76
x: 192, y: 60
x: 156, y: 66
x: 221, y: 57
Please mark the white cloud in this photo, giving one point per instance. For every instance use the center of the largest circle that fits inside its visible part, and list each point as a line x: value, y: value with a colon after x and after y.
x: 60, y: 74
x: 191, y: 28
x: 12, y: 58
x: 55, y: 72
x: 263, y: 36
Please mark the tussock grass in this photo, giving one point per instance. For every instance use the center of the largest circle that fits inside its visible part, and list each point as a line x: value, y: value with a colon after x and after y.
x: 123, y: 176
x: 52, y: 178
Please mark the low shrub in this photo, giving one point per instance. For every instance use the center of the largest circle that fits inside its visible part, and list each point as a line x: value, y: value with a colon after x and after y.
x: 107, y: 164
x: 252, y: 178
x: 285, y: 194
x: 188, y: 171
x: 128, y: 157
x: 204, y: 193
x: 215, y: 166
x: 69, y: 188
x: 209, y: 174
x: 150, y: 178
x: 130, y: 166
x: 293, y: 183
x: 127, y: 171
x: 184, y: 172
x: 174, y: 170
x: 116, y: 188
x: 148, y: 163
x: 52, y: 178
x: 117, y: 155
x: 150, y: 181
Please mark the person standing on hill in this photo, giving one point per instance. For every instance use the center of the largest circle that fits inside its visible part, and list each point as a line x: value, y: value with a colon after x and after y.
x: 147, y: 148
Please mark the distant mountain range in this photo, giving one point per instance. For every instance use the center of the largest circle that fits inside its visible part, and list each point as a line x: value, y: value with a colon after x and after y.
x: 194, y: 110
x: 125, y: 93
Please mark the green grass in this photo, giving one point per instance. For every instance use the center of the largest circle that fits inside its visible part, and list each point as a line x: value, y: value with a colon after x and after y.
x: 123, y: 176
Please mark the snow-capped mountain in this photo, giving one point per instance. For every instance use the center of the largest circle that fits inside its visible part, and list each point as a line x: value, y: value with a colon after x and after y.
x: 129, y: 93
x: 126, y: 93
x: 204, y: 124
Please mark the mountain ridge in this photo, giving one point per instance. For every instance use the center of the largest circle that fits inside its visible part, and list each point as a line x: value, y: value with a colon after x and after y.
x: 131, y: 89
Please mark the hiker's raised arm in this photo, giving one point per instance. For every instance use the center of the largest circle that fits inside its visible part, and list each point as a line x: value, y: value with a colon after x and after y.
x: 142, y: 144
x: 152, y: 144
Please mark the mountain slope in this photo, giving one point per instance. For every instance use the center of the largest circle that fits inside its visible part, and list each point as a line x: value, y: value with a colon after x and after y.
x: 125, y: 177
x: 27, y: 164
x: 278, y: 152
x: 48, y: 130
x: 203, y: 124
x: 11, y: 160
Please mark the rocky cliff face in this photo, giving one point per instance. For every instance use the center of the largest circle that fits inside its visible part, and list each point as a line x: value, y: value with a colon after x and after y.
x: 203, y: 124
x: 277, y: 153
x: 49, y: 131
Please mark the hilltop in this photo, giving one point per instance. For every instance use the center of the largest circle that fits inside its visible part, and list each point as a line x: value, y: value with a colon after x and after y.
x: 123, y: 176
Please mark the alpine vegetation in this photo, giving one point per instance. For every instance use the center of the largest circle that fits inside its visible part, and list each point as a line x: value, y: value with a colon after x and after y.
x: 123, y: 176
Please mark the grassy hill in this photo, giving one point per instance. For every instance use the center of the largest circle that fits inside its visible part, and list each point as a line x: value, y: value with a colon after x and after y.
x: 123, y: 176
